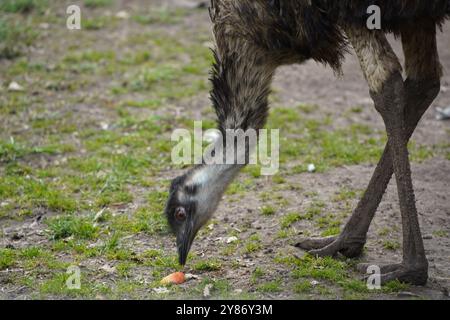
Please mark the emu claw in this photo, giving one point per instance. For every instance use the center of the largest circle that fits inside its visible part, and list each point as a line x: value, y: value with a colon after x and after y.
x: 400, y: 272
x: 314, y: 243
x: 331, y: 246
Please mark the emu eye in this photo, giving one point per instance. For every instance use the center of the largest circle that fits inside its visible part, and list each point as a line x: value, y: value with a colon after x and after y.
x: 180, y: 214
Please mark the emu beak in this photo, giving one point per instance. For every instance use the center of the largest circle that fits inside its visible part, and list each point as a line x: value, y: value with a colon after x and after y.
x: 184, y: 242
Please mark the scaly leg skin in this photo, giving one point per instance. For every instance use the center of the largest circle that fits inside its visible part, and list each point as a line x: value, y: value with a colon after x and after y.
x: 389, y: 103
x: 350, y: 243
x: 391, y: 94
x: 421, y: 88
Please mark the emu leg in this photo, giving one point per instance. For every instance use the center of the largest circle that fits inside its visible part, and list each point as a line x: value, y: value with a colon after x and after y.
x: 390, y: 104
x: 421, y: 88
x: 419, y: 96
x: 383, y: 73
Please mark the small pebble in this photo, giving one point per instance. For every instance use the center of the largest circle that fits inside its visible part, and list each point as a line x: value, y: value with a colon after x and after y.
x: 14, y: 86
x: 161, y: 290
x: 207, y: 290
x: 190, y: 276
x: 122, y: 15
x: 443, y: 113
x: 232, y: 239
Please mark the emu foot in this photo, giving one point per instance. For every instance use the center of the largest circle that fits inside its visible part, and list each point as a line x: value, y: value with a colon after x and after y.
x: 331, y: 246
x: 314, y: 243
x: 388, y: 272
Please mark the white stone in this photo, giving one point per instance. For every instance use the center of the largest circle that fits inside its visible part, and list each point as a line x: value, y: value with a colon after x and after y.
x: 104, y: 125
x: 14, y: 86
x: 314, y: 283
x: 443, y: 113
x: 122, y: 15
x: 190, y: 276
x: 232, y: 239
x: 161, y: 290
x: 207, y: 290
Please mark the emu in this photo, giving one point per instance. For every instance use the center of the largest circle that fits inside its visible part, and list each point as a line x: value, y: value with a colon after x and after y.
x: 254, y: 37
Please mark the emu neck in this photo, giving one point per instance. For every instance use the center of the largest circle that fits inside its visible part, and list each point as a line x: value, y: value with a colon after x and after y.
x: 241, y: 80
x: 210, y: 182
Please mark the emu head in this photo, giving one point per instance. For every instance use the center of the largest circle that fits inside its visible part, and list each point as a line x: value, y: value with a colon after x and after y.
x: 193, y: 198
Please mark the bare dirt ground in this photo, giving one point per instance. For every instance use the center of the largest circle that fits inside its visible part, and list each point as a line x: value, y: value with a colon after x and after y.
x: 263, y: 262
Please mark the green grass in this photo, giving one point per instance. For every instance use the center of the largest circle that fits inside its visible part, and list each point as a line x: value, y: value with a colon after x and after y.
x: 420, y: 153
x: 97, y: 3
x: 90, y: 56
x: 356, y: 109
x: 32, y: 252
x: 391, y: 245
x: 207, y: 265
x: 257, y: 274
x: 7, y: 258
x: 285, y: 233
x: 312, y: 142
x: 321, y: 268
x: 58, y: 161
x: 331, y: 231
x: 440, y: 233
x: 303, y: 287
x: 11, y: 150
x: 331, y: 272
x: 15, y: 37
x: 166, y: 76
x: 68, y: 226
x: 57, y: 286
x: 319, y: 142
x: 268, y: 210
x: 22, y: 6
x: 289, y: 219
x: 219, y: 288
x: 96, y: 23
x: 236, y: 189
x: 384, y: 232
x: 345, y: 194
x: 395, y: 286
x: 161, y: 16
x: 28, y: 192
x: 143, y: 220
x: 270, y: 287
x: 327, y: 221
x: 253, y: 244
x: 278, y: 179
x: 314, y: 209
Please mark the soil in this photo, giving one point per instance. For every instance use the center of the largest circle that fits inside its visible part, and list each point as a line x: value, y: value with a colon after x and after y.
x: 312, y: 84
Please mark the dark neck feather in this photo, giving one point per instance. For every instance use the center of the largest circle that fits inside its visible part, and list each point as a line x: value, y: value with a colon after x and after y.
x: 240, y: 90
